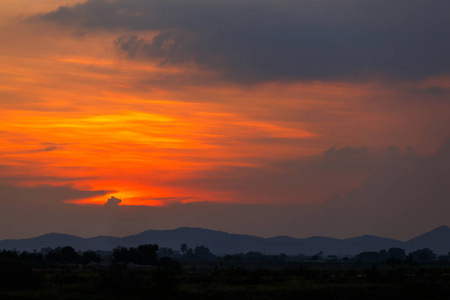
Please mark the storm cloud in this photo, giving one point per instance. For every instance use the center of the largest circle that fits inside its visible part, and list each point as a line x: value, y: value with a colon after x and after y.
x: 254, y: 41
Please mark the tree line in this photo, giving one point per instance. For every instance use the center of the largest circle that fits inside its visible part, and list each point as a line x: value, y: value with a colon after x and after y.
x: 151, y: 254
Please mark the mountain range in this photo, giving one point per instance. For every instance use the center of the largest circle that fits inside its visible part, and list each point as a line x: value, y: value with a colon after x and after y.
x: 220, y: 242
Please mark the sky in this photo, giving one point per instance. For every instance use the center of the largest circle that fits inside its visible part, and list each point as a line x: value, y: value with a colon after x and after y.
x: 295, y: 118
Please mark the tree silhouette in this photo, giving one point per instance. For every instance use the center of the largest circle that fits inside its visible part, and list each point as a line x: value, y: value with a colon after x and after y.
x: 395, y: 256
x: 425, y: 255
x: 90, y: 256
x: 202, y: 251
x: 142, y: 255
x: 370, y: 256
x: 63, y: 255
x: 317, y: 256
x: 148, y: 254
x: 409, y: 260
x: 125, y: 255
x: 69, y: 255
x: 397, y: 253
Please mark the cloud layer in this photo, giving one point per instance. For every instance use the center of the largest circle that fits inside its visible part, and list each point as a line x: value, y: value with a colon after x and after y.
x: 302, y: 180
x: 406, y: 195
x: 250, y: 41
x: 22, y: 196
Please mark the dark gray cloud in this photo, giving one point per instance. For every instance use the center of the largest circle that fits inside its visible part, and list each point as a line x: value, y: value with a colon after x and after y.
x: 404, y: 193
x: 285, y: 40
x: 46, y: 149
x: 168, y: 200
x: 13, y: 179
x: 404, y: 182
x: 113, y: 201
x: 14, y: 195
x: 300, y: 180
x: 434, y: 94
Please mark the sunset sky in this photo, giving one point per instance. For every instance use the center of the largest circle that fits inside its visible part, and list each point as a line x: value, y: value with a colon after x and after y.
x: 301, y: 118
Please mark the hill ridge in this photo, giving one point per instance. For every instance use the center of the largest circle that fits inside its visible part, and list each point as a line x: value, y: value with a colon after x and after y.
x: 221, y: 242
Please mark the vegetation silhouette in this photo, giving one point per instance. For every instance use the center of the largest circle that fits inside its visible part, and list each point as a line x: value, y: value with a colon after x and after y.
x: 165, y: 273
x: 142, y: 255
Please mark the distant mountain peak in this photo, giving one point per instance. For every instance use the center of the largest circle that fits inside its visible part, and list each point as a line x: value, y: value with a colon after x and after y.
x: 367, y: 236
x: 437, y: 239
x: 437, y: 232
x: 441, y: 228
x: 55, y: 234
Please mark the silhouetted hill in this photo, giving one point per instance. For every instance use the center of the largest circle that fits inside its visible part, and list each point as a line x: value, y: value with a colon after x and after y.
x: 372, y: 243
x: 47, y: 240
x: 225, y: 243
x: 218, y: 241
x: 437, y: 239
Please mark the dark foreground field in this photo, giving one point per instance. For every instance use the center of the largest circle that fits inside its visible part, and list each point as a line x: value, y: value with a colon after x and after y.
x: 169, y: 282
